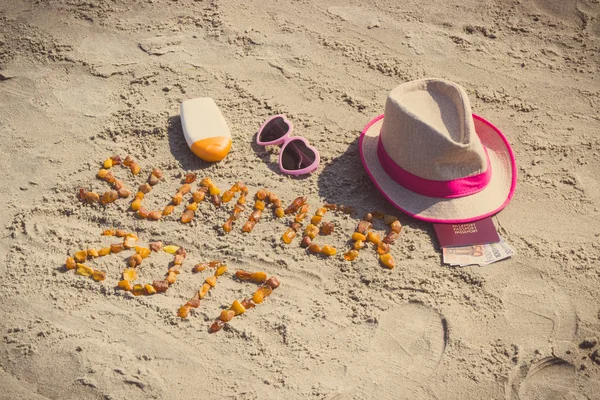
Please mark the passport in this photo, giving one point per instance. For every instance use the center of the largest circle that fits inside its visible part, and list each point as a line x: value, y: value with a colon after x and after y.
x: 472, y: 233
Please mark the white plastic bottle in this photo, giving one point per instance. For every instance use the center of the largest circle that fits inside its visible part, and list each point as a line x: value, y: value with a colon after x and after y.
x: 205, y: 129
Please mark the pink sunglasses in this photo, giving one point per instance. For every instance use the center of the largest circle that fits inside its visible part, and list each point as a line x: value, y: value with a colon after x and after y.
x: 297, y: 156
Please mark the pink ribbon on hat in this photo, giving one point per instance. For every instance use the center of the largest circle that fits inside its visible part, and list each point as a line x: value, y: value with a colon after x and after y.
x: 427, y: 187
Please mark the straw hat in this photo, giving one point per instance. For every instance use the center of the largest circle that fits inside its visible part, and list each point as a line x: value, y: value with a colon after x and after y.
x: 433, y: 159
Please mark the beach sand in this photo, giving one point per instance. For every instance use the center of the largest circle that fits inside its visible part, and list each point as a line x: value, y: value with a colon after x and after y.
x: 81, y: 81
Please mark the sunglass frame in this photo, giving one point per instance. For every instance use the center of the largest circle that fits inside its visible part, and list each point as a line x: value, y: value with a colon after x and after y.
x: 284, y: 141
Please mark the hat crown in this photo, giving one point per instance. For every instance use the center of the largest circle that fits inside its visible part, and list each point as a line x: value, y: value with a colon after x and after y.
x: 428, y: 130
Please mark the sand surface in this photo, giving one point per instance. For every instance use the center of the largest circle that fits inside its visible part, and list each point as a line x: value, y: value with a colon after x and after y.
x: 81, y: 80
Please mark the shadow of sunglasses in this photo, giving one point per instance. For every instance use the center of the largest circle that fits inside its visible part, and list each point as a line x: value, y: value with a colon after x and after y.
x: 297, y: 156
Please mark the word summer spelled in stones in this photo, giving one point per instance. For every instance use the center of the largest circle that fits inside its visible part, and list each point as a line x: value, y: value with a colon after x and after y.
x: 207, y: 189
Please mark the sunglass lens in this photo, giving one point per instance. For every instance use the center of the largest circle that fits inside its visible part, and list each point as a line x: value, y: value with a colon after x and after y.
x: 297, y: 155
x: 273, y: 130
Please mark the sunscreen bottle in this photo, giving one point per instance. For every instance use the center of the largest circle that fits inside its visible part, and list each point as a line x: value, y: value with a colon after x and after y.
x: 205, y: 130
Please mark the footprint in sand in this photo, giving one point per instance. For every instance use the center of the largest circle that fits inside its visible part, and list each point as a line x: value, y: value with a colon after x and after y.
x: 554, y: 378
x: 568, y: 12
x: 405, y: 349
x: 536, y: 308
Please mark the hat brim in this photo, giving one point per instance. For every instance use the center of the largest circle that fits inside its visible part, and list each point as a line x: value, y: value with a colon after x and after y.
x: 493, y: 198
